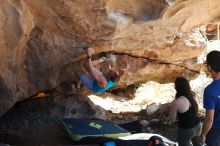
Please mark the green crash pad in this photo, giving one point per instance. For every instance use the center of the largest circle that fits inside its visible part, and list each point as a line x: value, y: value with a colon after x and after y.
x: 80, y: 128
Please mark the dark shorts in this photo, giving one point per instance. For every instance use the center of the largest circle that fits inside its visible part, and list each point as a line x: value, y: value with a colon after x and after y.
x: 213, y: 137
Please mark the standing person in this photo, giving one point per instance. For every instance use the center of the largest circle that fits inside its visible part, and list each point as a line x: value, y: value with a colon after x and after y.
x: 211, y: 102
x: 95, y: 80
x: 185, y: 108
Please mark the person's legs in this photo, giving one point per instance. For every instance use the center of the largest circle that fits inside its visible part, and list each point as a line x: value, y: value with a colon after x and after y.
x: 95, y: 73
x: 87, y: 66
x: 195, y: 139
x: 184, y: 137
x: 213, y: 137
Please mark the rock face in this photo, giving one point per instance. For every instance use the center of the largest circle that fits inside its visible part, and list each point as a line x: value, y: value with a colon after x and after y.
x: 42, y: 42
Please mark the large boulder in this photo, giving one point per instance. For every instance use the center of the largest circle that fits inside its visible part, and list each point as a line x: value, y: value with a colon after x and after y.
x: 43, y: 42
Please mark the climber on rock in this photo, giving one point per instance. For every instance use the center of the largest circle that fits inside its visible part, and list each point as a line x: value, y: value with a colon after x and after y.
x: 95, y: 80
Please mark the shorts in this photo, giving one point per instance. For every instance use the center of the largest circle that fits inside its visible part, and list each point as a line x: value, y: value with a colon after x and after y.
x: 87, y: 80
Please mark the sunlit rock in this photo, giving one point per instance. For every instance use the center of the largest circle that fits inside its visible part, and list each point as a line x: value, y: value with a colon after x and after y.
x: 43, y: 42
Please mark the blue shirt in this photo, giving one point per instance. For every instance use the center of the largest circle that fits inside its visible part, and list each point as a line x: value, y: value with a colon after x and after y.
x: 211, y: 101
x: 96, y: 89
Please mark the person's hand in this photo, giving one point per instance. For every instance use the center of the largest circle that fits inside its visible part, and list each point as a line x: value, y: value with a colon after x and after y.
x: 89, y: 51
x: 202, y: 139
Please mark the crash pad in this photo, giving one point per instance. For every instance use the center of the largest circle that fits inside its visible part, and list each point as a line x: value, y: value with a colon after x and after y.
x: 81, y: 128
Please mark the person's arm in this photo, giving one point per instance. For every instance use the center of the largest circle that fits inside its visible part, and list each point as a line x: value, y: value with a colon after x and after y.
x: 209, y: 116
x: 173, y: 111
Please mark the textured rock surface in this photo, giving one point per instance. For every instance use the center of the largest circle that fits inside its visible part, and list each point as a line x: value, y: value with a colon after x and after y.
x: 42, y: 41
